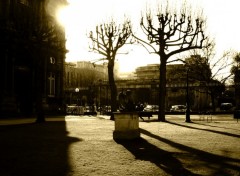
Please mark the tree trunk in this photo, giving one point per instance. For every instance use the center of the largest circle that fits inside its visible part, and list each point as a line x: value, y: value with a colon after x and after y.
x: 162, y: 90
x: 237, y: 89
x: 113, y: 87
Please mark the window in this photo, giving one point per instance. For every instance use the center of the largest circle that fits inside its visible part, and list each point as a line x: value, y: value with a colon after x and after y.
x: 52, y: 60
x: 51, y: 85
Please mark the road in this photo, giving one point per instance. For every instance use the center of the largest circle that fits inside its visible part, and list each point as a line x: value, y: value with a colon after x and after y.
x: 170, y: 117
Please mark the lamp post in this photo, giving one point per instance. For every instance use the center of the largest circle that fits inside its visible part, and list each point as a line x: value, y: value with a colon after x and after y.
x: 100, y: 92
x: 77, y: 91
x: 187, y: 100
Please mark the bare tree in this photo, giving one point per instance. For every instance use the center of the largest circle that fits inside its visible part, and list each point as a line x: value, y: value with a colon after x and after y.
x: 217, y: 65
x: 208, y: 69
x: 169, y: 33
x: 106, y: 41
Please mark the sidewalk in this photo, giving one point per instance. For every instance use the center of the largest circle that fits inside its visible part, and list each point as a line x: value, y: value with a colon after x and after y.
x: 83, y: 145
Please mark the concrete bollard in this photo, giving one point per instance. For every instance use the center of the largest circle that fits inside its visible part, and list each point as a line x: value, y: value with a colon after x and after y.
x: 126, y: 125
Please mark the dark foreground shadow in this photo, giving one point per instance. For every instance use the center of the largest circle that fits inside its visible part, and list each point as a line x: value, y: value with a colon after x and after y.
x: 220, y: 165
x: 143, y: 150
x: 35, y: 149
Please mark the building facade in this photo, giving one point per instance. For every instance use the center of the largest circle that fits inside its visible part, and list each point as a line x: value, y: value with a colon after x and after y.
x: 32, y: 58
x: 82, y: 82
x: 145, y: 87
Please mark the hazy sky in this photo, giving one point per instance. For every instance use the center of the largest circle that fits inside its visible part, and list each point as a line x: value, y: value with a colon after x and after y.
x: 82, y: 17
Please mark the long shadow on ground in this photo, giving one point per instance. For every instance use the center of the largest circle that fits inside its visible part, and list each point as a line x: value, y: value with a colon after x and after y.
x: 215, y: 126
x: 35, y: 149
x: 213, y: 131
x: 143, y: 150
x: 219, y: 165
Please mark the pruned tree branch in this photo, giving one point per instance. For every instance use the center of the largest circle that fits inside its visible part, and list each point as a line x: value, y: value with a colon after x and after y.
x: 169, y: 33
x: 107, y: 39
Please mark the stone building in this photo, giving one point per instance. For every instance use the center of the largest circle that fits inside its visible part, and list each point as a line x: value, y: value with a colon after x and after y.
x: 83, y: 80
x: 32, y: 51
x: 146, y: 85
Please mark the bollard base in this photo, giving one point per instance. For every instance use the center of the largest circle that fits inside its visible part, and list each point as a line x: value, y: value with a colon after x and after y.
x: 126, y: 125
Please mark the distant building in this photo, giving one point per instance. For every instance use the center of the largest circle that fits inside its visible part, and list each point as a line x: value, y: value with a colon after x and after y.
x: 127, y: 75
x: 84, y: 64
x: 32, y: 51
x: 150, y: 71
x: 145, y: 86
x: 101, y: 69
x: 81, y: 78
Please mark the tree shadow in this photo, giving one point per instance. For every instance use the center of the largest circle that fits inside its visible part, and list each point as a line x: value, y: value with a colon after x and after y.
x: 149, y: 120
x: 143, y: 150
x: 35, y: 149
x: 222, y: 164
x: 213, y: 131
x: 210, y: 125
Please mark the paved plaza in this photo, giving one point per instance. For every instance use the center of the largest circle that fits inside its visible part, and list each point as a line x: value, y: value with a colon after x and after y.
x: 83, y: 145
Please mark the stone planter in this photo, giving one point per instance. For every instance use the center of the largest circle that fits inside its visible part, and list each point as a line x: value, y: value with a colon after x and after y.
x: 126, y: 125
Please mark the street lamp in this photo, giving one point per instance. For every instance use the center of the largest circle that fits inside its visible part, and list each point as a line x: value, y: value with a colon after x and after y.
x: 187, y: 100
x: 100, y: 92
x: 77, y: 90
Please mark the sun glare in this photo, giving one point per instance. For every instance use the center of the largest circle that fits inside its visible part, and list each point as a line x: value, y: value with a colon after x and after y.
x: 63, y: 16
x: 79, y: 18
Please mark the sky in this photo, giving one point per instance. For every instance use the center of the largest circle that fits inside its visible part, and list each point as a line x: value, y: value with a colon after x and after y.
x: 80, y: 17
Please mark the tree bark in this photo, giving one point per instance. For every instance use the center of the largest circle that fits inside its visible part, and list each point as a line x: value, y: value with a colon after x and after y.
x: 113, y: 87
x: 237, y: 89
x: 162, y: 89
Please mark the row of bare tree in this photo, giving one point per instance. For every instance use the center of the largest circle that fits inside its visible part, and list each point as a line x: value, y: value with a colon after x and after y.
x: 166, y: 33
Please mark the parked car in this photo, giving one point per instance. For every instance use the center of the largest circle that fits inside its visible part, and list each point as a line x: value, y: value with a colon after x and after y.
x: 178, y: 108
x: 151, y: 108
x: 90, y: 110
x: 226, y: 106
x: 106, y: 109
x: 74, y: 109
